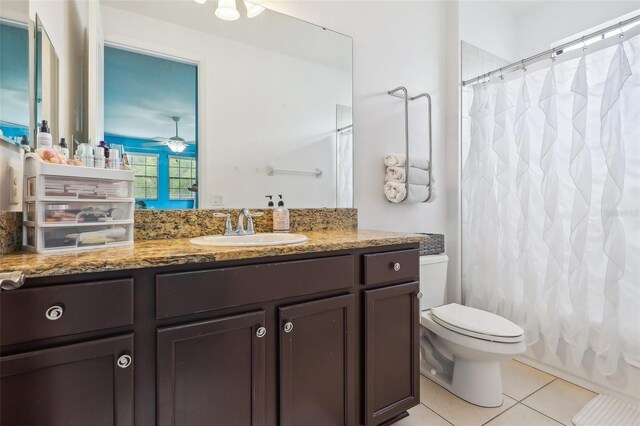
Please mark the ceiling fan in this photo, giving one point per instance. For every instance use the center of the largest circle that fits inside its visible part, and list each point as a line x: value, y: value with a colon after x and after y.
x: 175, y: 143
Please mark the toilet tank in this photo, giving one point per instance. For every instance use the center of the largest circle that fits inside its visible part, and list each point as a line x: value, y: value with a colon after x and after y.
x: 433, y: 280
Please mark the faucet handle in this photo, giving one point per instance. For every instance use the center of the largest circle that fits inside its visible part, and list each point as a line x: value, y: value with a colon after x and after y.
x: 228, y: 226
x: 250, y: 216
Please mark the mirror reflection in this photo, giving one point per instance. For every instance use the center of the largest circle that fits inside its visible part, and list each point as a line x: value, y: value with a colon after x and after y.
x: 215, y: 113
x: 14, y: 72
x: 46, y: 82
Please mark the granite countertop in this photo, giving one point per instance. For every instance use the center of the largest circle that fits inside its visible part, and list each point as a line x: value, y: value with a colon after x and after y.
x: 165, y: 252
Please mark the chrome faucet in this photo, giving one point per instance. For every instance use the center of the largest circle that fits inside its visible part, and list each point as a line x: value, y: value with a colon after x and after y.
x: 240, y: 230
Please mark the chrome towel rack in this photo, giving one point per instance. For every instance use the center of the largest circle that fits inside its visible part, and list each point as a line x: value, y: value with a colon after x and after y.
x: 271, y: 171
x: 407, y: 166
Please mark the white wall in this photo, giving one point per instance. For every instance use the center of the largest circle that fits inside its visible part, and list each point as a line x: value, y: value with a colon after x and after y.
x: 258, y: 108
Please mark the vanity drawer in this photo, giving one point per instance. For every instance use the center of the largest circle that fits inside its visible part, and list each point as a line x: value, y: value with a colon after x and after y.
x: 62, y: 310
x: 192, y: 292
x: 391, y: 267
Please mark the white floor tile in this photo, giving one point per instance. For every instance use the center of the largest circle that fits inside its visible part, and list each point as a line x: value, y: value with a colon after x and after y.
x: 420, y: 415
x: 521, y: 415
x: 559, y: 400
x: 454, y: 409
x: 519, y: 380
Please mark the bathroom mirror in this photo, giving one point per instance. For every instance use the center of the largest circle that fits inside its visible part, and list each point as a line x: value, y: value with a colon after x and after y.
x: 218, y: 113
x: 46, y: 67
x: 14, y: 71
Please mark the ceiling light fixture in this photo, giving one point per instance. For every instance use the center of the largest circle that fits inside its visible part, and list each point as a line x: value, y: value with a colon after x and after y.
x: 253, y: 9
x: 176, y: 143
x: 227, y: 10
x: 200, y: 1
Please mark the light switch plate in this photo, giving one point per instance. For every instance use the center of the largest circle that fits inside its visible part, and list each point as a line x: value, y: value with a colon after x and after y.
x: 217, y: 199
x: 14, y: 190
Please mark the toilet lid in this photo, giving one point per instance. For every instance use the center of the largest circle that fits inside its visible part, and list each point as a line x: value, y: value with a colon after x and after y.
x: 476, y: 323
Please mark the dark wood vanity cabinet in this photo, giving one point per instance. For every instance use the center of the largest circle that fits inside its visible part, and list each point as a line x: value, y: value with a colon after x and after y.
x: 212, y: 372
x: 391, y: 351
x: 88, y: 383
x: 317, y: 360
x: 329, y: 339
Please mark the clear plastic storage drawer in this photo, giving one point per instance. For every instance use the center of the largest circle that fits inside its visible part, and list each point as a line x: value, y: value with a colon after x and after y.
x: 78, y: 212
x: 76, y: 236
x: 77, y: 188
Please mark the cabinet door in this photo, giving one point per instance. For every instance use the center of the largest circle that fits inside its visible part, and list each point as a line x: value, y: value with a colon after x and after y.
x: 212, y: 372
x: 392, y: 377
x: 88, y: 383
x: 317, y: 363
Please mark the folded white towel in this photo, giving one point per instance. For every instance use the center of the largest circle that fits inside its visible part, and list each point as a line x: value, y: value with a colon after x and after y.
x: 396, y: 159
x: 416, y: 175
x: 396, y: 192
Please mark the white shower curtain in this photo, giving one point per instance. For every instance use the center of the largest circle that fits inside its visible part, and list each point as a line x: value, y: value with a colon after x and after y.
x: 551, y: 201
x: 344, y: 168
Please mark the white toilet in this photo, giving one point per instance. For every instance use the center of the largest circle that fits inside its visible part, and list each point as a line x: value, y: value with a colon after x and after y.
x: 461, y: 347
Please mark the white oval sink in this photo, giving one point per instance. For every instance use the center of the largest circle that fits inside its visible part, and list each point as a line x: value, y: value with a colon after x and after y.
x: 266, y: 239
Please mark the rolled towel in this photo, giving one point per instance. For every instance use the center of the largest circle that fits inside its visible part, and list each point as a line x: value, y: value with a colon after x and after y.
x: 396, y: 159
x: 396, y: 191
x: 416, y: 175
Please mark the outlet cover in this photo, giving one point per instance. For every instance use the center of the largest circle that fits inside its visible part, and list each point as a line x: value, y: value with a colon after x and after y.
x: 218, y: 199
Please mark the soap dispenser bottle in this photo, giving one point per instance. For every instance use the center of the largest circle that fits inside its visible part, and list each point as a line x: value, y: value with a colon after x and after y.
x: 270, y: 204
x: 43, y: 138
x: 281, y: 217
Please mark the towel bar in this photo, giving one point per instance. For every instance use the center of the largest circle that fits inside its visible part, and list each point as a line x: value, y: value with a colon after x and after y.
x: 407, y: 166
x: 271, y: 171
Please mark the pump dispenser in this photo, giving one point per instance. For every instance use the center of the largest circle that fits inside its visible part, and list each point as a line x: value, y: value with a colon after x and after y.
x: 281, y: 217
x: 43, y: 138
x: 270, y: 204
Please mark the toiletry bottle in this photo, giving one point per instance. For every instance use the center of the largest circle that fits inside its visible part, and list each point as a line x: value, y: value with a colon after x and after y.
x: 270, y: 204
x: 63, y: 147
x: 114, y: 159
x: 24, y: 143
x: 98, y: 159
x: 281, y: 217
x: 105, y: 145
x: 43, y: 138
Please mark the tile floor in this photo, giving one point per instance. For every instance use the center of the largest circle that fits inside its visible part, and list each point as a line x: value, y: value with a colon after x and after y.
x: 531, y: 398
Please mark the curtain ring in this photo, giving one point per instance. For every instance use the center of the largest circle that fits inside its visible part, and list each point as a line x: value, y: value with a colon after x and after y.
x: 621, y: 32
x: 524, y: 67
x: 553, y: 56
x: 584, y: 45
x: 501, y: 75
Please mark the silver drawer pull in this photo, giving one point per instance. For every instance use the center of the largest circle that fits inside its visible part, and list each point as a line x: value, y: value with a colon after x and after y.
x: 261, y: 332
x: 288, y: 327
x: 419, y: 295
x: 396, y: 266
x: 124, y: 361
x: 54, y: 313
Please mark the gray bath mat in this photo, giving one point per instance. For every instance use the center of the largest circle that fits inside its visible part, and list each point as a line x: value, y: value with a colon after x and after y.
x: 605, y: 410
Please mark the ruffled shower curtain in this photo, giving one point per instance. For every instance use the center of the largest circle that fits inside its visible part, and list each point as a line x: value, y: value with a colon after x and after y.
x: 551, y: 201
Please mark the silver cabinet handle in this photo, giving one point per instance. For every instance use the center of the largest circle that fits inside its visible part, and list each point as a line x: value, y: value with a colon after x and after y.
x: 288, y: 327
x: 124, y: 361
x: 54, y: 313
x: 419, y: 295
x: 11, y: 280
x: 396, y: 266
x: 261, y: 332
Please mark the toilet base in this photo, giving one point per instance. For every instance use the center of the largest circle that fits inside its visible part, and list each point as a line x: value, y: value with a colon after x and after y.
x: 479, y: 383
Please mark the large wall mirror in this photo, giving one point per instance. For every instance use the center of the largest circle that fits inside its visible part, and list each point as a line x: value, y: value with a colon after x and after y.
x: 14, y: 72
x: 218, y: 113
x: 46, y: 82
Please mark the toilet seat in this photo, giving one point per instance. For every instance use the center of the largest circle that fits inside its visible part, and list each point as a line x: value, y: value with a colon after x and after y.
x: 476, y: 323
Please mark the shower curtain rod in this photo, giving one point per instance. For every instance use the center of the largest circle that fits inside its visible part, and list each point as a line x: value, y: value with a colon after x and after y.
x: 521, y: 64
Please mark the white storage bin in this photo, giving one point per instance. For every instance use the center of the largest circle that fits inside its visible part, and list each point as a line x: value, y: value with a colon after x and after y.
x: 69, y: 208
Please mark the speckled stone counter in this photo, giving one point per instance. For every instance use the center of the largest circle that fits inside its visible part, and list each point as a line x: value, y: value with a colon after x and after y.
x: 10, y: 232
x: 179, y: 251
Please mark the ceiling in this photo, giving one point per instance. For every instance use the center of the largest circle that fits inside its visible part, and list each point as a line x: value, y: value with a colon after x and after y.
x: 143, y: 92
